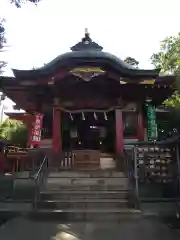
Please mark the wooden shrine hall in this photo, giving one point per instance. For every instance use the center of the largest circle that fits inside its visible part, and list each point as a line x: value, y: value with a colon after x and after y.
x: 91, y: 101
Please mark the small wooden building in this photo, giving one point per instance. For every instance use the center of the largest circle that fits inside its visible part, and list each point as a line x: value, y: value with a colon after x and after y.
x: 92, y: 101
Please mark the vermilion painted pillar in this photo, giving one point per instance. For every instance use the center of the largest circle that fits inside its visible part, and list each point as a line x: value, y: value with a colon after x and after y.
x: 140, y: 127
x: 56, y: 138
x: 119, y: 131
x: 29, y: 127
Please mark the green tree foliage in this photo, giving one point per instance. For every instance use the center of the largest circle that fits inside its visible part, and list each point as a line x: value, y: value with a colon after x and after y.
x: 2, y: 34
x: 2, y: 42
x: 173, y: 101
x: 168, y: 59
x: 15, y: 132
x: 131, y: 61
x: 18, y: 3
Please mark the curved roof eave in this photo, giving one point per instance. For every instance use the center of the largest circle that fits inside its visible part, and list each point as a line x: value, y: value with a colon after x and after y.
x: 168, y: 79
x: 7, y: 81
x: 73, y: 59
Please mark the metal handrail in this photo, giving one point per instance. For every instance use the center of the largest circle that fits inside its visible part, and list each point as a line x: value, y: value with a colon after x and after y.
x: 131, y: 166
x: 39, y: 179
x: 40, y: 168
x: 136, y: 177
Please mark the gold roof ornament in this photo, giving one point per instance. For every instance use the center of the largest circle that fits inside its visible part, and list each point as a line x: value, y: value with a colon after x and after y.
x: 148, y: 82
x: 86, y: 36
x: 87, y: 73
x: 86, y: 31
x: 87, y: 44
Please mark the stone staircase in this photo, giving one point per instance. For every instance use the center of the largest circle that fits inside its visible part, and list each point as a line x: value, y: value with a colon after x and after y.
x: 86, y: 195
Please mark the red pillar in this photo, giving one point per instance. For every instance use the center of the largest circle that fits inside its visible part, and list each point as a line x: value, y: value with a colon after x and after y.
x: 140, y: 126
x: 29, y: 127
x: 56, y: 138
x: 119, y: 131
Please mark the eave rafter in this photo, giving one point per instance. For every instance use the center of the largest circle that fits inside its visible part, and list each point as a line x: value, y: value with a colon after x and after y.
x: 19, y: 96
x: 28, y: 97
x: 32, y: 88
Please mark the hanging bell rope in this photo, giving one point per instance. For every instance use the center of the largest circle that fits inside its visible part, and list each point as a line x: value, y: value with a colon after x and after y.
x: 95, y: 116
x: 71, y: 117
x: 105, y: 116
x: 87, y: 110
x: 83, y: 116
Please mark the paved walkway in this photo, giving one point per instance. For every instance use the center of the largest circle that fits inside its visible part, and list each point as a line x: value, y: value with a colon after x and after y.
x: 24, y: 229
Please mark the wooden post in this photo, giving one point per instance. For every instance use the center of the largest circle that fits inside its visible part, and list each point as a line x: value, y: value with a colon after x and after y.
x: 56, y: 138
x: 119, y: 131
x: 140, y: 126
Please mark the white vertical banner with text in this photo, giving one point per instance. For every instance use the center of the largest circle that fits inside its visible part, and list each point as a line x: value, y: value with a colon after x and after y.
x: 36, y: 130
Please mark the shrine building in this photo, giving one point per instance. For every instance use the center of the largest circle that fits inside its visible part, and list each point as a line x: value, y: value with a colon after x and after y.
x: 90, y: 100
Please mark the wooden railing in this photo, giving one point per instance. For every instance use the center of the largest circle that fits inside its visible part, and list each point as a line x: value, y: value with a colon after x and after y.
x: 80, y: 159
x: 21, y: 159
x: 16, y: 158
x: 17, y: 149
x: 67, y: 161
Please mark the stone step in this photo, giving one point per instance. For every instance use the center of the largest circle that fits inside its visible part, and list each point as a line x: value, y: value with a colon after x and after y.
x: 87, y: 181
x: 23, y: 189
x: 86, y: 188
x: 86, y: 184
x: 25, y: 174
x: 110, y: 210
x: 6, y: 186
x: 88, y: 201
x: 95, y: 214
x: 15, y: 207
x: 84, y: 195
x: 83, y: 204
x: 87, y: 174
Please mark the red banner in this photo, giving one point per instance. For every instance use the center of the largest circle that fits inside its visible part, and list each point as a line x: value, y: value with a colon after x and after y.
x: 36, y: 130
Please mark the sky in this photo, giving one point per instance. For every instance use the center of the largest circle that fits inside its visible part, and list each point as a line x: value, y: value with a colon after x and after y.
x: 37, y: 34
